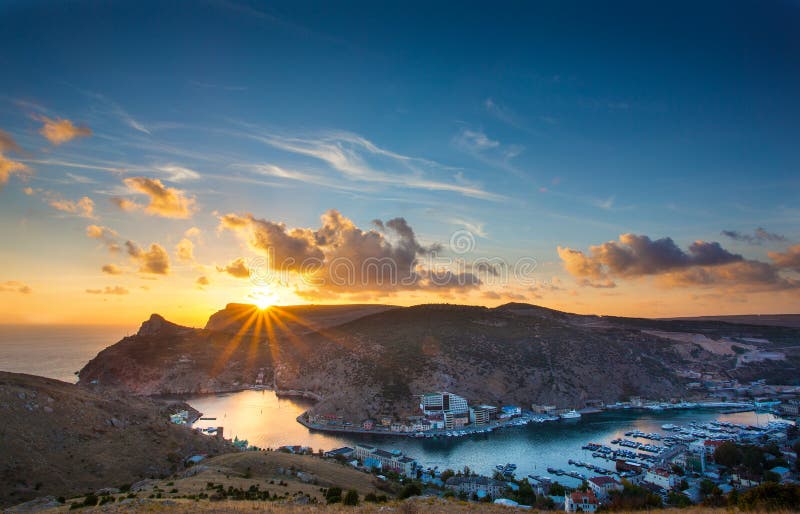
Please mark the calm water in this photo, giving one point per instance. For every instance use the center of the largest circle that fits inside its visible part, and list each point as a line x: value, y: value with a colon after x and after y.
x: 54, y: 351
x: 267, y: 421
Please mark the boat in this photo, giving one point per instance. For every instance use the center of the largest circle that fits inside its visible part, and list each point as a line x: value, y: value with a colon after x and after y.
x: 572, y: 414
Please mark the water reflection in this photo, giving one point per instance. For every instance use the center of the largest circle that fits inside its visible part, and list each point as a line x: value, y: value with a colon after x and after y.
x: 268, y: 421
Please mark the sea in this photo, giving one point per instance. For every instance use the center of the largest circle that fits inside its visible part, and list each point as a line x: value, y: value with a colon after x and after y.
x: 269, y: 422
x: 55, y: 351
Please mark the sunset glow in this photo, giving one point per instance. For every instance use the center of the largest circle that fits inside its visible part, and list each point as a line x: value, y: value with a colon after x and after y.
x: 298, y: 156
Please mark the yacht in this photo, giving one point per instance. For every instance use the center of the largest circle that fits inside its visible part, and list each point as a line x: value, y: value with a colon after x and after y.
x: 668, y: 426
x: 573, y: 414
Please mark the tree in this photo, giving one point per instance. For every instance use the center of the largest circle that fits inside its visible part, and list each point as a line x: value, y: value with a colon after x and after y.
x: 410, y: 490
x: 770, y: 496
x: 333, y: 495
x: 678, y: 500
x: 351, y: 498
x: 728, y: 454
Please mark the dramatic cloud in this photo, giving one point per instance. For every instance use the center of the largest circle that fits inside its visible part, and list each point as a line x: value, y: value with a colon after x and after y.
x: 15, y: 286
x: 758, y: 237
x: 790, y: 259
x: 166, y: 202
x: 155, y: 260
x: 117, y: 290
x: 236, y: 268
x: 112, y: 269
x: 184, y: 250
x: 60, y: 131
x: 340, y: 258
x: 9, y: 167
x: 704, y: 264
x: 83, y: 207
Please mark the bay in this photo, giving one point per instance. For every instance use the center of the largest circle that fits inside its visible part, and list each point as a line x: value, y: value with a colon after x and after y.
x: 269, y: 422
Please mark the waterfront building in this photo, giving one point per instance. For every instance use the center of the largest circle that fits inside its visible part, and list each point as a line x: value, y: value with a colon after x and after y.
x: 482, y: 414
x: 603, y: 485
x: 344, y: 451
x: 543, y: 409
x: 368, y: 424
x: 509, y: 411
x: 376, y: 458
x: 480, y: 486
x: 580, y: 501
x: 432, y: 403
x: 661, y: 477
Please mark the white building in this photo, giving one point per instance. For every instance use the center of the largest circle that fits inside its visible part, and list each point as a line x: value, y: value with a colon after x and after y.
x: 662, y: 478
x: 580, y: 501
x: 432, y: 403
x: 603, y: 485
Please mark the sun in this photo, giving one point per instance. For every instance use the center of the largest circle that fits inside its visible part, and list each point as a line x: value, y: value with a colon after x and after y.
x: 263, y: 297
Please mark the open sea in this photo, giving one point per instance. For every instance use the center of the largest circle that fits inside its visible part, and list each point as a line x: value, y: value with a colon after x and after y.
x: 54, y: 351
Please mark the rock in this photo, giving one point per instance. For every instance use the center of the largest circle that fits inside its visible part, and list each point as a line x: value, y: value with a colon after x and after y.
x: 107, y: 490
x: 302, y: 500
x: 307, y: 478
x: 194, y: 470
x: 42, y: 503
x: 141, y: 485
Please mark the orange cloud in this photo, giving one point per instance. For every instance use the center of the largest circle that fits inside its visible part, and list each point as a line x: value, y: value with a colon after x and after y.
x: 83, y: 207
x: 15, y: 286
x: 60, y: 131
x: 10, y: 167
x: 202, y: 282
x: 118, y: 290
x: 184, y: 250
x: 155, y: 260
x: 112, y: 269
x: 236, y: 268
x: 106, y: 235
x: 790, y: 259
x: 166, y: 202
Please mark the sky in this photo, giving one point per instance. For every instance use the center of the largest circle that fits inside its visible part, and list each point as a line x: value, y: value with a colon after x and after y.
x: 623, y: 158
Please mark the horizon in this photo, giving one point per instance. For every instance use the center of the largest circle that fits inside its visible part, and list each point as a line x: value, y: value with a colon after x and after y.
x: 626, y: 160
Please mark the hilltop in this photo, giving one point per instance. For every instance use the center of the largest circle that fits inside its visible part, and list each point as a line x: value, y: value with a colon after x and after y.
x: 61, y: 439
x: 363, y: 361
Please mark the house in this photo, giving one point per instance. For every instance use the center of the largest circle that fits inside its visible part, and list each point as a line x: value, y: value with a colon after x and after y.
x: 781, y: 471
x: 660, y: 477
x: 603, y: 485
x: 580, y: 501
x: 509, y: 411
x: 368, y: 424
x: 344, y: 452
x: 481, y: 486
x: 373, y: 457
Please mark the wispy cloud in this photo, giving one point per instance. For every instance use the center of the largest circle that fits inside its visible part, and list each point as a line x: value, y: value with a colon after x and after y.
x: 358, y: 159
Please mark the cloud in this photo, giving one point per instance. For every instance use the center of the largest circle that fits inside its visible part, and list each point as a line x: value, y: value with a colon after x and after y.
x: 155, y: 260
x: 184, y: 250
x: 116, y: 290
x: 112, y: 269
x: 83, y: 207
x: 340, y: 258
x: 59, y: 130
x: 475, y: 140
x: 166, y: 202
x: 236, y: 268
x: 15, y: 286
x: 10, y: 167
x: 178, y: 173
x: 106, y: 235
x: 359, y: 160
x: 790, y: 259
x: 202, y: 281
x: 759, y: 236
x: 703, y: 264
x: 192, y: 232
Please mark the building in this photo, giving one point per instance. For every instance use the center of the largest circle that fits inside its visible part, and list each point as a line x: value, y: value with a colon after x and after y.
x: 543, y: 409
x: 455, y: 420
x: 603, y: 485
x: 782, y: 472
x: 509, y: 411
x: 344, y: 451
x: 482, y: 414
x: 480, y: 486
x: 661, y: 478
x: 432, y: 403
x: 581, y: 501
x: 373, y: 457
x: 368, y: 424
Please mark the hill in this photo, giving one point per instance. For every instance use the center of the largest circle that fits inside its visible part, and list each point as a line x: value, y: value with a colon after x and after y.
x: 61, y: 439
x: 375, y: 364
x: 775, y: 320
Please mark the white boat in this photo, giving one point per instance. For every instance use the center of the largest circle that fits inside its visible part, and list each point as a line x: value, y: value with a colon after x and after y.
x: 573, y: 414
x: 668, y: 426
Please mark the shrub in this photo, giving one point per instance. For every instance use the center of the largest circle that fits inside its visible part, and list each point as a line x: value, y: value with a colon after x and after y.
x: 351, y: 498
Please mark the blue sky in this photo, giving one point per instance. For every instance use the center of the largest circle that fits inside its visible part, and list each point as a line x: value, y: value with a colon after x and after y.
x: 533, y: 124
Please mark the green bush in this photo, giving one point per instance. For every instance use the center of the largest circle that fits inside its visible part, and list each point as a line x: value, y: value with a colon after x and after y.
x: 351, y: 498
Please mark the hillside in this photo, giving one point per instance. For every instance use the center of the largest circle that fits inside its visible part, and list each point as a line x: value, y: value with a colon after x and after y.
x: 376, y: 363
x: 61, y: 439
